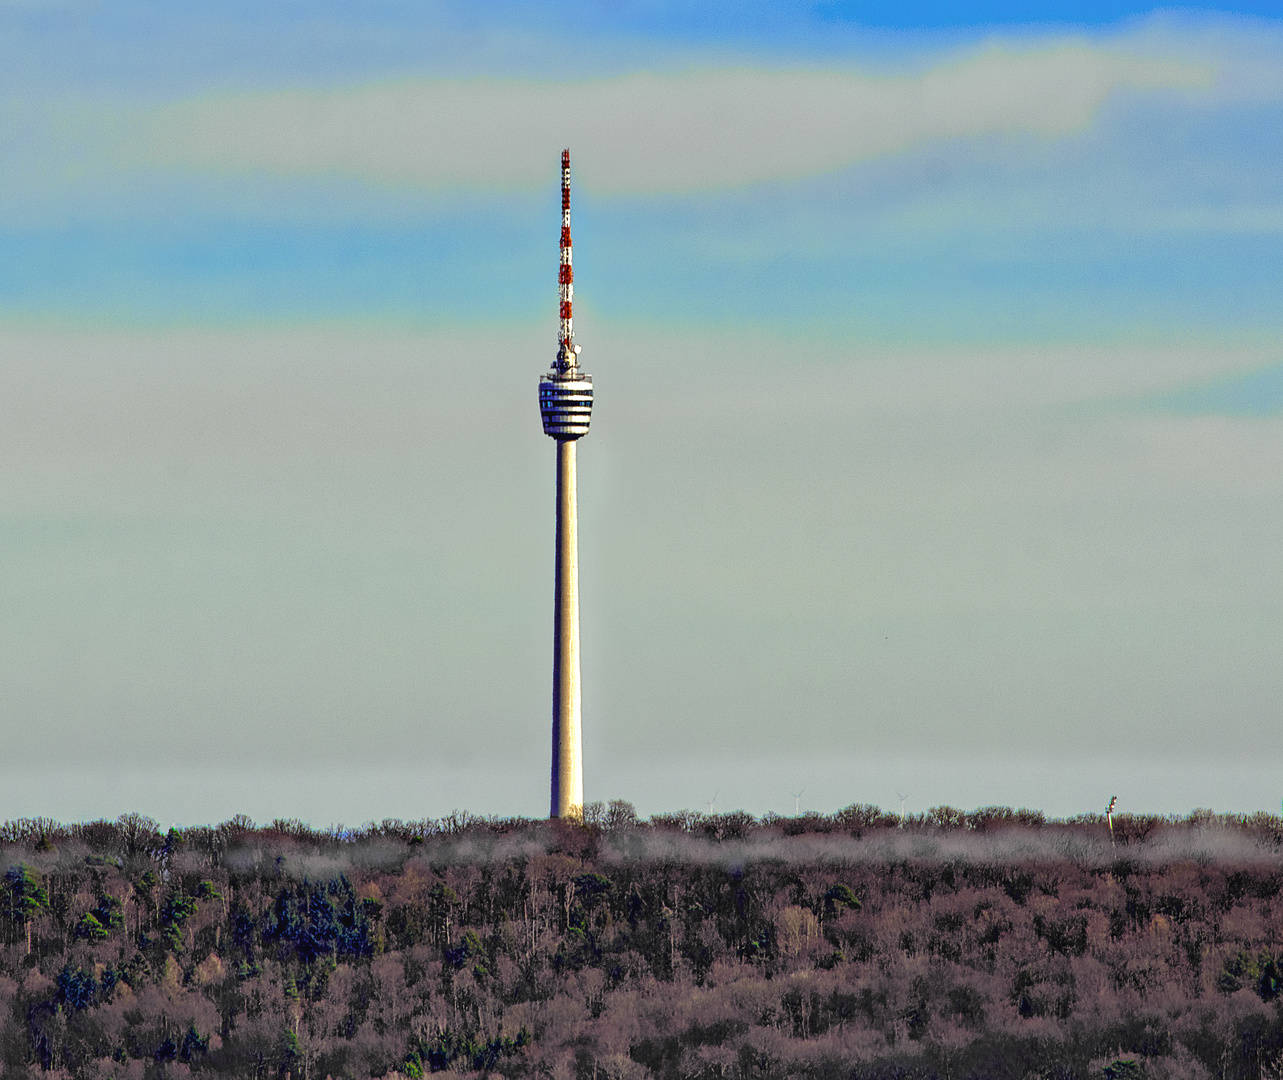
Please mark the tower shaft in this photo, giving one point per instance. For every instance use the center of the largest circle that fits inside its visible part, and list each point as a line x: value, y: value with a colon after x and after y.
x: 567, y: 744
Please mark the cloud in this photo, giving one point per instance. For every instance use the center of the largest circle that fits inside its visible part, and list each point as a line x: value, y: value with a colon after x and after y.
x: 1256, y: 393
x: 643, y: 132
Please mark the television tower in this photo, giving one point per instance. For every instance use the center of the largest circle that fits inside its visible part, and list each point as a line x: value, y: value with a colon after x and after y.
x: 565, y: 403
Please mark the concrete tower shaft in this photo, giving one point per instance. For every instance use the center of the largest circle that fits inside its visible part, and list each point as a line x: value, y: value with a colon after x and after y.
x: 565, y: 406
x: 567, y: 739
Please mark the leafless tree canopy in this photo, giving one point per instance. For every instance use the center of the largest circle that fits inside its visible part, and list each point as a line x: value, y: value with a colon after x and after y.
x: 986, y: 944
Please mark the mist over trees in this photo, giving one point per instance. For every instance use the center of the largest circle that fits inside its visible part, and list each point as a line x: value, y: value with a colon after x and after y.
x: 852, y: 945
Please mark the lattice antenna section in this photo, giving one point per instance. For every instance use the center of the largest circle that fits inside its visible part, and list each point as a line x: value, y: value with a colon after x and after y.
x: 566, y: 351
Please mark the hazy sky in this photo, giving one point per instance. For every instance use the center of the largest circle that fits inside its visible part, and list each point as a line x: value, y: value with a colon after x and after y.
x: 938, y: 447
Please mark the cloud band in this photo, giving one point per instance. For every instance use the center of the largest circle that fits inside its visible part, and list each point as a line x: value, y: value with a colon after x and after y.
x: 642, y: 133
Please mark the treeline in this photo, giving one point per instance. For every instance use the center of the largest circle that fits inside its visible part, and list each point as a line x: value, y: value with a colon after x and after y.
x: 133, y: 834
x: 950, y: 944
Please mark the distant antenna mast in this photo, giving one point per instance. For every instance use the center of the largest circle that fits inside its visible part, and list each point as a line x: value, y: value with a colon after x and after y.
x: 1109, y: 816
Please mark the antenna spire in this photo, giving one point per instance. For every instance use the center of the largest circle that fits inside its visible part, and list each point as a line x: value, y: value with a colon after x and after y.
x: 567, y: 352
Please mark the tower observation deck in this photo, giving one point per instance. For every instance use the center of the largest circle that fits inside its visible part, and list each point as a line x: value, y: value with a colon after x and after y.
x: 565, y: 405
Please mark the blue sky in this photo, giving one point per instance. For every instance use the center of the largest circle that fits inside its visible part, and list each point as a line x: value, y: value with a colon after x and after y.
x: 1152, y: 204
x: 939, y: 415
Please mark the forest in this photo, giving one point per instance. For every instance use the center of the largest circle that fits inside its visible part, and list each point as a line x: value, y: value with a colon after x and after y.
x: 951, y: 944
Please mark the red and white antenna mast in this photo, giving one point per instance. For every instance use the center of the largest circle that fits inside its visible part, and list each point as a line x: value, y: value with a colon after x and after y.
x: 567, y: 351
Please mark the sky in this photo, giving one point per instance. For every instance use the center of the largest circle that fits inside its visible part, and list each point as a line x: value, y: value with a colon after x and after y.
x: 937, y: 455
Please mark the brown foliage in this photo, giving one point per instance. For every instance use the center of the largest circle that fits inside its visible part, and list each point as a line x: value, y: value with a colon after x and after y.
x: 959, y: 945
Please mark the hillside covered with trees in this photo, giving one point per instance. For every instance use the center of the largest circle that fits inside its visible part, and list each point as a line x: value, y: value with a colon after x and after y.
x: 989, y: 944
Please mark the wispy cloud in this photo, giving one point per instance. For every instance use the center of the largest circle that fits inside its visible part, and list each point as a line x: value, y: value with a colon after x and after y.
x: 641, y: 132
x: 1256, y: 393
